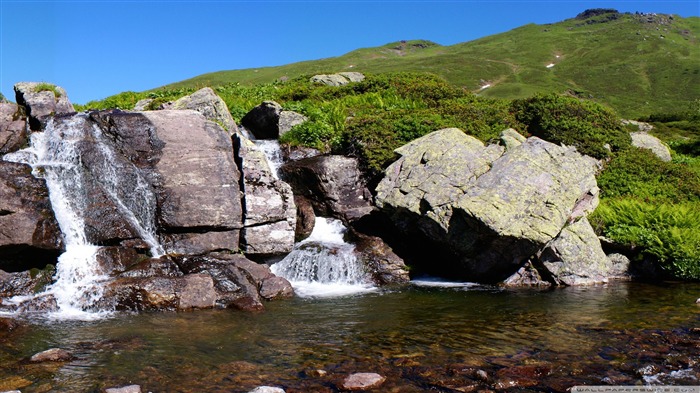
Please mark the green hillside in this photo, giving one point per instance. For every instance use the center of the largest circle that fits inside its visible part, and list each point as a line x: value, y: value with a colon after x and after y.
x: 637, y: 63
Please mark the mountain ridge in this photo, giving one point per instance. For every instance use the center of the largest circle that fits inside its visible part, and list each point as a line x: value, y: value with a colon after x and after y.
x: 639, y: 63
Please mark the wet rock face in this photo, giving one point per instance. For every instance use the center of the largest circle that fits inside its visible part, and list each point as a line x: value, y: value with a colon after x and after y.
x: 13, y: 128
x: 188, y: 161
x: 216, y: 280
x: 29, y: 233
x: 494, y: 211
x: 333, y: 185
x: 269, y: 210
x: 42, y: 101
x: 384, y: 266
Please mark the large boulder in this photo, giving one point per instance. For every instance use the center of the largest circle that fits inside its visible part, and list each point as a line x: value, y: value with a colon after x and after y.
x: 209, y: 104
x: 29, y: 233
x: 492, y: 211
x: 333, y: 184
x: 263, y: 120
x: 289, y: 119
x: 643, y: 140
x: 270, y: 213
x: 13, y: 128
x: 188, y: 162
x: 42, y: 101
x: 339, y: 79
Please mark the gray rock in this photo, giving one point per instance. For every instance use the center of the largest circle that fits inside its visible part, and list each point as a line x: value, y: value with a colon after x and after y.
x: 575, y: 257
x: 362, y: 381
x: 641, y: 126
x: 493, y: 211
x: 25, y: 283
x: 643, y: 140
x: 13, y: 128
x: 510, y: 138
x: 142, y: 105
x: 263, y: 120
x: 333, y: 184
x: 199, y: 178
x: 289, y: 119
x: 51, y: 355
x: 330, y: 80
x: 270, y: 214
x: 296, y: 153
x: 125, y: 389
x: 209, y: 104
x: 29, y: 233
x: 306, y: 219
x: 275, y: 288
x: 198, y: 292
x: 42, y: 101
x: 353, y: 76
x: 620, y: 266
x: 193, y: 243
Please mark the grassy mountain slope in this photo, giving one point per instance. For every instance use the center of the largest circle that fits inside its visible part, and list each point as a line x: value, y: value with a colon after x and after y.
x: 638, y: 64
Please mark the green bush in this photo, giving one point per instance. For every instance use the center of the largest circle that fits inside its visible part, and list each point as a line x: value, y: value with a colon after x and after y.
x: 638, y: 173
x: 669, y: 232
x: 125, y: 101
x: 44, y: 86
x: 584, y: 124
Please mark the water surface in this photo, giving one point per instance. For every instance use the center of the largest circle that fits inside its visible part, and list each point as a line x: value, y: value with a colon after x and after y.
x: 421, y: 338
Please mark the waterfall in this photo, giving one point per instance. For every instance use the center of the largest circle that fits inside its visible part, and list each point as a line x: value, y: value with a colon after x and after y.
x: 269, y: 147
x: 324, y: 264
x: 55, y: 156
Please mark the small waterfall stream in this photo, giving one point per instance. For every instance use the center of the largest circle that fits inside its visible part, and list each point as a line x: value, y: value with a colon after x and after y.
x: 323, y: 264
x: 55, y: 156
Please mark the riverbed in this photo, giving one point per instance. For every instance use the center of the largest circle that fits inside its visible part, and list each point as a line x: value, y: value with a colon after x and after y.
x: 420, y: 337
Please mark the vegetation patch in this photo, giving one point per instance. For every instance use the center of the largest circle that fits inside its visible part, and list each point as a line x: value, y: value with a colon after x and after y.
x: 47, y: 87
x: 669, y: 232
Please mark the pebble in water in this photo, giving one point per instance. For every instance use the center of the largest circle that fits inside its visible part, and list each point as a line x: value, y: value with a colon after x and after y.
x: 125, y: 389
x: 362, y: 381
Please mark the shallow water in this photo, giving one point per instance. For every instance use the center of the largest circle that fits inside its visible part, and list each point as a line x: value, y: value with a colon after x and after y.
x: 422, y: 338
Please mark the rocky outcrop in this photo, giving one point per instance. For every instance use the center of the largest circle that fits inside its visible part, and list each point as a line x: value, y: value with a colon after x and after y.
x: 209, y: 104
x: 195, y: 282
x: 189, y: 164
x: 339, y: 79
x: 492, y: 211
x: 42, y: 101
x: 511, y: 138
x: 29, y: 233
x: 13, y: 128
x: 269, y: 212
x: 380, y: 261
x: 263, y: 120
x: 333, y: 185
x: 643, y: 140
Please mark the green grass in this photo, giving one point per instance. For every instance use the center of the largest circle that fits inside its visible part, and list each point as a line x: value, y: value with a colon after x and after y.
x: 47, y: 87
x: 623, y: 63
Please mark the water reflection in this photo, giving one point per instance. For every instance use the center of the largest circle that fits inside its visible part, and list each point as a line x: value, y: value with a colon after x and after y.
x: 391, y: 330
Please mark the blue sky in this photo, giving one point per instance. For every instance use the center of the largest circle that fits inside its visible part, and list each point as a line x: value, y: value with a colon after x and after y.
x: 95, y: 49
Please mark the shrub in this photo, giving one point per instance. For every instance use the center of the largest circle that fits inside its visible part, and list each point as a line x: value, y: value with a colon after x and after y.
x: 640, y: 174
x: 574, y: 122
x: 669, y: 232
x: 125, y: 101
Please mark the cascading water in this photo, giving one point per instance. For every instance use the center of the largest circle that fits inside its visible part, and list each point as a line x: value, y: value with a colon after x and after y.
x: 324, y: 264
x: 55, y: 156
x: 269, y: 147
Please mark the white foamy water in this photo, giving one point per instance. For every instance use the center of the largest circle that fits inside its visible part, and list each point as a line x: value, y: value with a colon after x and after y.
x: 440, y: 283
x: 55, y: 157
x: 273, y: 154
x: 324, y: 265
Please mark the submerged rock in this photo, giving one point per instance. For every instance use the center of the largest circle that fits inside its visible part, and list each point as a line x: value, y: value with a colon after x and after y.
x: 362, y: 381
x: 51, y: 355
x: 125, y: 389
x: 267, y: 389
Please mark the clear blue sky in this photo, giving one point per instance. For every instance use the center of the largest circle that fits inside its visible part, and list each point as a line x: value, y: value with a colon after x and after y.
x: 98, y: 48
